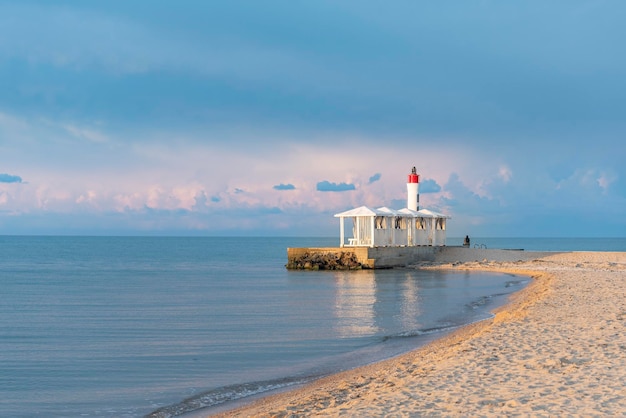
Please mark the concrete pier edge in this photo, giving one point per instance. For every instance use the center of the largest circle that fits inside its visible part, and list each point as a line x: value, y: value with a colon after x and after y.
x: 390, y: 257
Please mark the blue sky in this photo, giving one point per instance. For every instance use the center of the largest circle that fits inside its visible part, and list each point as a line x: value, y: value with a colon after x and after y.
x: 266, y: 118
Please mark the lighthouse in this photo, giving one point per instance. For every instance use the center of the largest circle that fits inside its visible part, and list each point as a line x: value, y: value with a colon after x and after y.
x: 412, y: 191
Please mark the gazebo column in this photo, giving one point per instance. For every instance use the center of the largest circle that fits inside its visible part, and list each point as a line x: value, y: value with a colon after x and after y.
x: 341, y: 232
x: 433, y: 231
x: 373, y: 219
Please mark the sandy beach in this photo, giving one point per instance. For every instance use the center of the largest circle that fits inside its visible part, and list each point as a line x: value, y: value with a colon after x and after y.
x: 557, y: 348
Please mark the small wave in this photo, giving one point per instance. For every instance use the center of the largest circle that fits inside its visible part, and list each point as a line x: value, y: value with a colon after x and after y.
x: 512, y: 283
x: 224, y: 394
x: 449, y: 327
x: 484, y: 300
x: 422, y: 332
x: 479, y: 303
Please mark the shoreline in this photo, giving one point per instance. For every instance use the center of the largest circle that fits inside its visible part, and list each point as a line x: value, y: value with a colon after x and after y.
x: 546, y: 351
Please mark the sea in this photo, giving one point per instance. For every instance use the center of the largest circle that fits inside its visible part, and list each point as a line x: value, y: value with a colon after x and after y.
x: 180, y: 326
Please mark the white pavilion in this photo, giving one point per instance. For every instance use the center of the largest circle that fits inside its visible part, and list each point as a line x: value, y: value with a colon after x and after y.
x: 382, y: 227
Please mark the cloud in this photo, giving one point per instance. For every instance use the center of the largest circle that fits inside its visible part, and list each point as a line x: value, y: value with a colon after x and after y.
x: 326, y: 186
x: 282, y: 186
x: 86, y: 133
x: 374, y: 178
x: 468, y: 202
x: 429, y: 186
x: 8, y: 178
x: 505, y: 174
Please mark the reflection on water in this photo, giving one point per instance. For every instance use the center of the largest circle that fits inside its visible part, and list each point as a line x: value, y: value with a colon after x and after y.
x: 369, y: 302
x: 410, y: 307
x: 354, y: 304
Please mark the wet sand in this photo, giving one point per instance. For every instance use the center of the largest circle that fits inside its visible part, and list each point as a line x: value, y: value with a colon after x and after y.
x: 557, y: 348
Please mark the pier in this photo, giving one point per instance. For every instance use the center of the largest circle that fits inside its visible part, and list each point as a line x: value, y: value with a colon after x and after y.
x: 398, y: 257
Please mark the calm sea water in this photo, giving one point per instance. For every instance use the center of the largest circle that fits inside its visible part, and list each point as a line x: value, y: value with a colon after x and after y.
x: 130, y: 326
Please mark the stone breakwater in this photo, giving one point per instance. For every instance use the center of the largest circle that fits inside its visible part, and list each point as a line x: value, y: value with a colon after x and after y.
x: 325, y: 261
x: 365, y: 257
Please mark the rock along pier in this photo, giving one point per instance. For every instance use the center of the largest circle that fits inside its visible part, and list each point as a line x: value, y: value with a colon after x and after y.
x: 356, y: 258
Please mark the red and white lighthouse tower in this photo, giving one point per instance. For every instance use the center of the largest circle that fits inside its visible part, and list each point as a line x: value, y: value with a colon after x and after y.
x: 412, y: 191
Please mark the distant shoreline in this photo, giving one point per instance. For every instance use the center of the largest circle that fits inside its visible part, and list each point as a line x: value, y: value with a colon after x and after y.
x: 556, y: 347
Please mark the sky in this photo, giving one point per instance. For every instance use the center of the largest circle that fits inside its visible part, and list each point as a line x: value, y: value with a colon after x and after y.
x: 242, y: 118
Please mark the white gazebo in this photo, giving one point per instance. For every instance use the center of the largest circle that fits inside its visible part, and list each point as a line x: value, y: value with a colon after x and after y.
x: 383, y: 227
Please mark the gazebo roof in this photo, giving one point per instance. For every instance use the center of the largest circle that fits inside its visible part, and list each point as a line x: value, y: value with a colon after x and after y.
x: 431, y: 214
x: 388, y: 211
x: 410, y: 212
x: 385, y: 211
x: 360, y: 211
